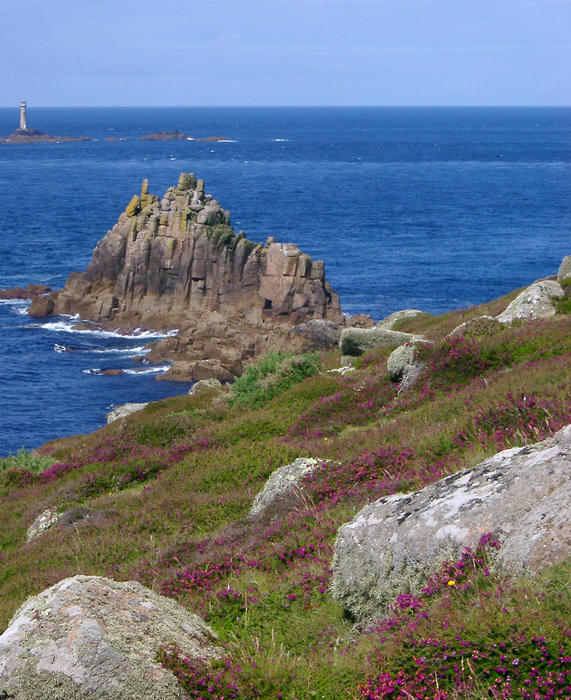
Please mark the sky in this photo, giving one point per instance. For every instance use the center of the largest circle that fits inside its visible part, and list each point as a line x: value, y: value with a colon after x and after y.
x: 285, y: 52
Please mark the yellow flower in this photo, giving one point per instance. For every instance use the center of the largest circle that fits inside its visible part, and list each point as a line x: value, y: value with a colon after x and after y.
x: 452, y: 582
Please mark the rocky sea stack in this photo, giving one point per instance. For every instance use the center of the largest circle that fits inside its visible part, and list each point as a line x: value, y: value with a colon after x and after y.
x: 176, y: 262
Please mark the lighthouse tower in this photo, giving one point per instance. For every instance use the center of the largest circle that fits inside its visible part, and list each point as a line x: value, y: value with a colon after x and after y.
x: 23, y: 118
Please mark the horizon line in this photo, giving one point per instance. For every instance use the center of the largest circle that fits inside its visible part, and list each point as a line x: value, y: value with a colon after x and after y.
x: 328, y: 106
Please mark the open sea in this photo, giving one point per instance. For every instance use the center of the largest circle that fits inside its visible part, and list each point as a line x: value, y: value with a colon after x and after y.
x: 429, y: 208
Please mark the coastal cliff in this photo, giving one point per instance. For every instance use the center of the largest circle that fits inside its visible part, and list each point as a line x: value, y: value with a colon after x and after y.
x: 176, y: 262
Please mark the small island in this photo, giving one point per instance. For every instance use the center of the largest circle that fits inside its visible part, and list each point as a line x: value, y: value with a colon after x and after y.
x: 25, y: 135
x: 176, y: 135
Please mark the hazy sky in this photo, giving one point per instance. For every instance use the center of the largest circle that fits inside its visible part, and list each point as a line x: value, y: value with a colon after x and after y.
x: 285, y: 52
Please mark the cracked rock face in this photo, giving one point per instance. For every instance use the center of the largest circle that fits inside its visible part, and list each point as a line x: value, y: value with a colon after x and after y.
x: 90, y: 637
x: 393, y: 545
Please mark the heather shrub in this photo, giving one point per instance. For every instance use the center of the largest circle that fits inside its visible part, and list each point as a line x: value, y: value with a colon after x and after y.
x: 430, y: 647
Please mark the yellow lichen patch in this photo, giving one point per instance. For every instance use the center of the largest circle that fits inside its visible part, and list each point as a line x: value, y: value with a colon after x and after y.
x: 134, y: 206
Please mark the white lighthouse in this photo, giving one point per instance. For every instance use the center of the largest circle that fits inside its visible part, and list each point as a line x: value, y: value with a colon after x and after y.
x: 23, y: 118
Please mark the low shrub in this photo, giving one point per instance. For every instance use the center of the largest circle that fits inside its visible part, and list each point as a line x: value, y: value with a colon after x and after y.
x: 275, y: 373
x: 24, y: 460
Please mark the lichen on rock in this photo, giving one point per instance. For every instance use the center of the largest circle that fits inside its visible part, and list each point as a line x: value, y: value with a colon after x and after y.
x: 520, y: 495
x: 91, y: 637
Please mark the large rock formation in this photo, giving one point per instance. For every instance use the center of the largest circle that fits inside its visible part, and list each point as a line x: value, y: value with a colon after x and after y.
x: 169, y: 261
x: 90, y: 637
x: 392, y: 546
x: 177, y: 263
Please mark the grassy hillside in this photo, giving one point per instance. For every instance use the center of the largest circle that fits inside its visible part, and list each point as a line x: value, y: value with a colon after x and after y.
x: 169, y: 489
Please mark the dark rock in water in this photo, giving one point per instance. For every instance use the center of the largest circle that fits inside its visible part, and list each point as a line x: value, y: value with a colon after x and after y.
x: 41, y: 307
x: 177, y: 263
x: 34, y: 136
x: 29, y: 292
x: 212, y: 139
x: 521, y: 495
x: 173, y: 135
x: 176, y: 135
x: 86, y: 326
x: 91, y: 637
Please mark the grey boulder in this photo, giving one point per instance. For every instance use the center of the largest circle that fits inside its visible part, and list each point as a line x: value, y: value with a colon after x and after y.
x: 284, y: 488
x: 564, y: 273
x: 356, y: 341
x: 124, y: 410
x: 204, y: 384
x: 533, y: 303
x: 520, y: 495
x: 90, y: 637
x: 402, y: 315
x: 474, y: 327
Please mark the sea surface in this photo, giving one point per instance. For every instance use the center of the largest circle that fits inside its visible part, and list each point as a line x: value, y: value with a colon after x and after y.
x: 429, y: 208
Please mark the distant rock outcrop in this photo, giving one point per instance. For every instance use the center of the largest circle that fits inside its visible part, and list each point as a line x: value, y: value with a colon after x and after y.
x: 177, y: 263
x: 521, y: 495
x: 28, y: 292
x: 91, y: 637
x: 34, y: 136
x: 173, y: 135
x: 176, y: 135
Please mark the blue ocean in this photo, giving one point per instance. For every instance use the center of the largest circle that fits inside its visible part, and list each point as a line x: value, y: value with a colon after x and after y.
x: 429, y: 208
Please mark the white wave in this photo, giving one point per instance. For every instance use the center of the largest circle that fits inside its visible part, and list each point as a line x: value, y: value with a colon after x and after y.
x: 139, y: 350
x: 156, y: 369
x: 280, y: 140
x: 227, y: 141
x: 15, y: 302
x: 18, y: 306
x: 67, y: 326
x: 60, y: 348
